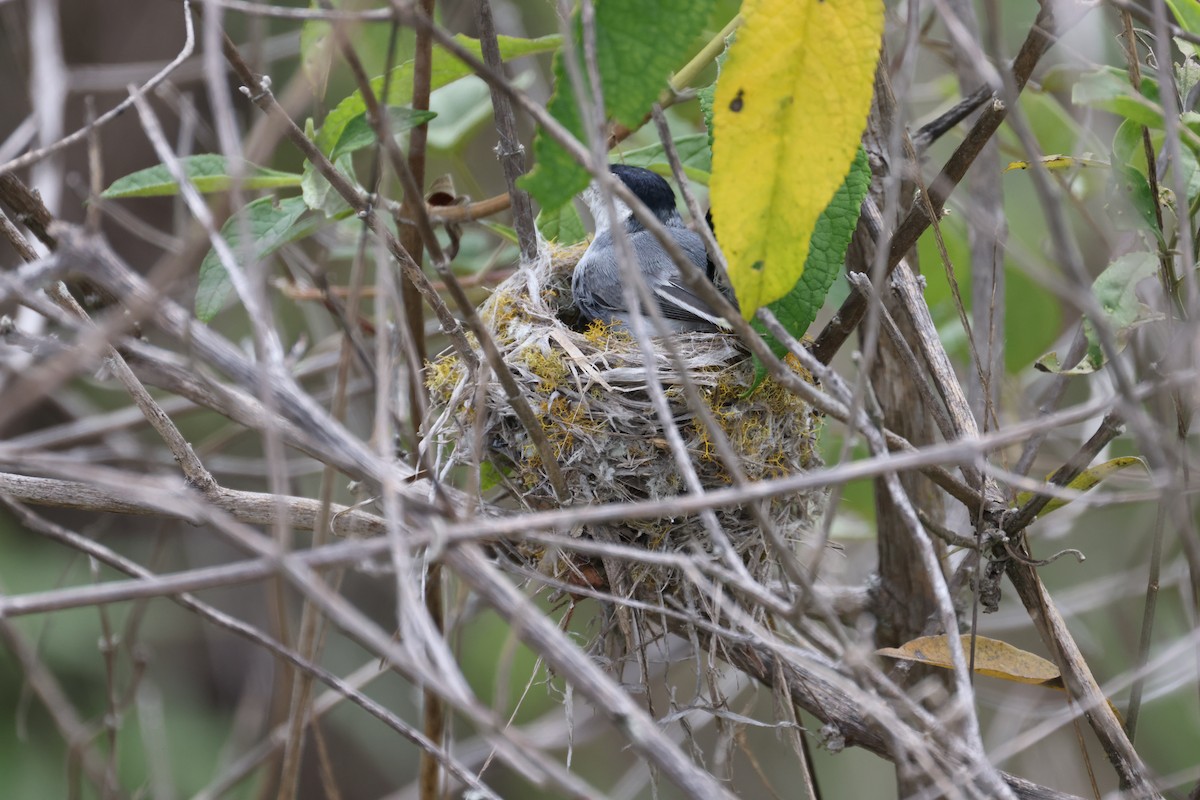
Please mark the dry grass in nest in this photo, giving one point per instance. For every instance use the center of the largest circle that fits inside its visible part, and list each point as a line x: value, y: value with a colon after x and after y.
x: 588, y: 392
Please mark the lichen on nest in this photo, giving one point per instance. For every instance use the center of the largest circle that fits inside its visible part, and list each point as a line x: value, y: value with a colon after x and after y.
x: 588, y: 392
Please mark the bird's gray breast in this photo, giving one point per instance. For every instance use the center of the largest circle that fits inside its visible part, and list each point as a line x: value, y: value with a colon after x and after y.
x: 596, y: 281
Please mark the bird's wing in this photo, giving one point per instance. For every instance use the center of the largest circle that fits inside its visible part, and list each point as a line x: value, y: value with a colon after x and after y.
x: 675, y: 300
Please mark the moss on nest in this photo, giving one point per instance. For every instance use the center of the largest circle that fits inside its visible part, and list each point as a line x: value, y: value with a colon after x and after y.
x: 588, y: 391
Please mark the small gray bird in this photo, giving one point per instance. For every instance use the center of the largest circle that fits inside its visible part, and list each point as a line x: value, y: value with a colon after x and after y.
x: 596, y: 282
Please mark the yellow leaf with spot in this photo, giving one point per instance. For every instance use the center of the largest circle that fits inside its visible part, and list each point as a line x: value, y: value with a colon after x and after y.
x: 992, y: 657
x: 790, y: 108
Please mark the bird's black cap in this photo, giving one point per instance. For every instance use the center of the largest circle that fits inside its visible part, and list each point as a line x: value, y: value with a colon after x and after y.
x: 649, y: 187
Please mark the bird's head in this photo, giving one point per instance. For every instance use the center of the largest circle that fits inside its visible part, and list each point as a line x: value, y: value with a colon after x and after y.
x: 648, y: 186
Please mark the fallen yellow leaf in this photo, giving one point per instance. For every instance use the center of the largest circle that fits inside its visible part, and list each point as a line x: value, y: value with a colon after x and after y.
x: 993, y: 657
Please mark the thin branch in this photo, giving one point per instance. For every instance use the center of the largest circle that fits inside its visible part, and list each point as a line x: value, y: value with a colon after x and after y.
x: 509, y: 149
x: 38, y: 155
x: 1044, y: 32
x: 340, y: 688
x: 1110, y: 428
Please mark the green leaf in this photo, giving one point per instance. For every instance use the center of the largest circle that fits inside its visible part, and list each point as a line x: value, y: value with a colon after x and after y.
x: 1107, y: 89
x: 444, y: 68
x: 1085, y: 481
x: 827, y: 251
x: 506, y: 232
x: 1130, y: 183
x: 637, y: 46
x: 1188, y: 164
x: 1124, y: 313
x: 314, y: 52
x: 561, y: 224
x: 1189, y: 49
x: 463, y: 107
x: 269, y: 225
x: 1127, y: 145
x: 1137, y: 191
x: 318, y: 193
x: 491, y: 476
x: 358, y: 132
x: 208, y: 173
x: 694, y: 153
x: 1187, y: 75
x: 708, y: 94
x: 826, y: 254
x: 1187, y: 14
x: 1190, y: 167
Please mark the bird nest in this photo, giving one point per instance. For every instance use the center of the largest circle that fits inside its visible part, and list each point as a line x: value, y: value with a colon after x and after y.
x: 588, y: 391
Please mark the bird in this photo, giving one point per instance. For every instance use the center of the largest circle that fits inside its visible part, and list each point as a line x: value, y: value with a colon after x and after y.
x: 596, y: 281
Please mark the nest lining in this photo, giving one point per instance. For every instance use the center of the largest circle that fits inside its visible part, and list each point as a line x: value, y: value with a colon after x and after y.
x: 588, y: 391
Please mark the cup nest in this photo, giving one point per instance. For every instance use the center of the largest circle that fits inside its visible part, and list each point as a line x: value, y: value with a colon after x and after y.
x: 588, y: 391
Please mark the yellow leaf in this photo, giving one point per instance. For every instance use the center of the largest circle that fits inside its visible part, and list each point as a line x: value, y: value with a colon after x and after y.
x: 790, y: 108
x: 1086, y: 480
x: 993, y: 657
x: 1059, y: 162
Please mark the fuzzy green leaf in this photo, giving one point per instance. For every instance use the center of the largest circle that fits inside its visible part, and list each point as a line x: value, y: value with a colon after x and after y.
x: 637, y: 46
x: 826, y: 254
x: 708, y: 94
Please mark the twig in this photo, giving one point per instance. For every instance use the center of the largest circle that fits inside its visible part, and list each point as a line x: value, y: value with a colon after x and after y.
x: 846, y: 721
x: 933, y: 130
x: 341, y: 688
x: 569, y: 661
x: 37, y: 155
x: 412, y: 235
x: 450, y: 325
x: 509, y: 149
x: 433, y: 711
x: 1110, y: 428
x: 28, y: 208
x: 1044, y: 32
x: 13, y: 236
x: 316, y: 14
